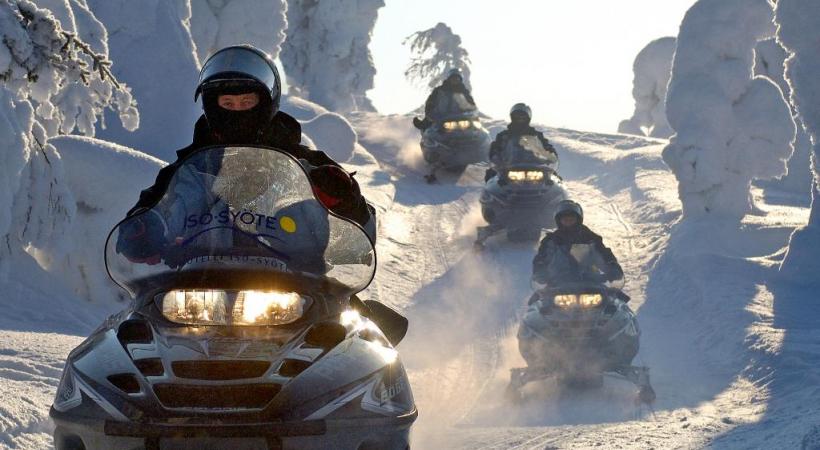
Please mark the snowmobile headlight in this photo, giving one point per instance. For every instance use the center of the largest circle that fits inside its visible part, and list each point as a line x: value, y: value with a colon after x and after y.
x: 464, y: 124
x: 477, y: 124
x: 196, y: 307
x: 517, y: 175
x: 590, y: 300
x: 218, y: 307
x: 267, y: 308
x: 565, y: 300
x: 450, y: 126
x: 535, y: 175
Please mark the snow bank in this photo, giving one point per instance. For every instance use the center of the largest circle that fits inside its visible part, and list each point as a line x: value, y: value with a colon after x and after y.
x: 653, y: 68
x: 106, y: 180
x: 153, y: 52
x: 219, y: 23
x: 326, y: 56
x: 332, y: 134
x: 436, y: 51
x: 770, y: 59
x: 731, y: 128
x: 799, y: 32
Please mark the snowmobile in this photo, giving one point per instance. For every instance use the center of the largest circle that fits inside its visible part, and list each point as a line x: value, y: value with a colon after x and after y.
x: 577, y: 332
x: 244, y: 331
x: 522, y: 195
x: 455, y: 139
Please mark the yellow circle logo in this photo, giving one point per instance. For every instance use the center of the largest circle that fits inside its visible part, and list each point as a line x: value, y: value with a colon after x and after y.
x: 287, y: 224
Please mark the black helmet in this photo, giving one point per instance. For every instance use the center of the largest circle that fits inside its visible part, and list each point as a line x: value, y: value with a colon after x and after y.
x: 566, y: 207
x: 521, y: 108
x: 454, y: 73
x: 234, y: 70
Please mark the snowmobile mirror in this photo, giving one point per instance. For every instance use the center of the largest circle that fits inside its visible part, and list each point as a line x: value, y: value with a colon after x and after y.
x: 393, y: 325
x: 325, y: 335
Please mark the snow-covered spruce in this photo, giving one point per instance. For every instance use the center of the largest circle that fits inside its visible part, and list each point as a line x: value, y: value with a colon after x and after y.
x: 730, y: 127
x: 799, y: 32
x: 436, y: 51
x: 153, y: 52
x: 217, y: 24
x: 652, y: 68
x: 770, y: 58
x: 326, y: 55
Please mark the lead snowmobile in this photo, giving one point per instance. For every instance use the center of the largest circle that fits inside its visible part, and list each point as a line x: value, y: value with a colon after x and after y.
x: 245, y: 331
x: 578, y: 331
x: 456, y: 137
x: 522, y: 197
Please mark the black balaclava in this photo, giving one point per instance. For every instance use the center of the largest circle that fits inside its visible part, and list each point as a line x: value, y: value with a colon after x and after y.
x: 237, y: 127
x: 519, y: 126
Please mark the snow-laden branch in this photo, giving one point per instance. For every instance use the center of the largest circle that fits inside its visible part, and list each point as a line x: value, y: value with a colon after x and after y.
x: 70, y: 84
x: 731, y: 127
x: 436, y: 51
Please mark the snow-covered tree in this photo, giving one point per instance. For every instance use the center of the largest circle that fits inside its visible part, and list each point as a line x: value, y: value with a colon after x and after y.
x: 770, y: 58
x: 153, y: 52
x: 326, y: 56
x: 731, y: 127
x: 435, y: 52
x: 51, y: 82
x: 217, y: 24
x: 799, y: 32
x: 652, y: 68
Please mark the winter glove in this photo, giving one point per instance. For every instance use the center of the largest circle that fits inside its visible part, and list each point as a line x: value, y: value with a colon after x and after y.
x: 334, y: 187
x: 614, y: 272
x: 142, y: 238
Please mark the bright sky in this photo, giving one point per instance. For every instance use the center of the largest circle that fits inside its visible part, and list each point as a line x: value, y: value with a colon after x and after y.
x: 570, y: 60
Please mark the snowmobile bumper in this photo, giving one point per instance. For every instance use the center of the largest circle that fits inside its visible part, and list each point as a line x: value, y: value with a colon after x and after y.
x: 381, y: 432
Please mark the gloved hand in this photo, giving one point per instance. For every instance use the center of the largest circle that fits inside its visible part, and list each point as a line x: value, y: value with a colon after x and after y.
x: 334, y: 187
x: 142, y: 238
x: 614, y: 273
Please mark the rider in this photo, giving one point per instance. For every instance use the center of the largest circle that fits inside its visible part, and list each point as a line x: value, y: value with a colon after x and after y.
x: 453, y: 84
x: 520, y: 117
x: 241, y: 91
x: 554, y: 264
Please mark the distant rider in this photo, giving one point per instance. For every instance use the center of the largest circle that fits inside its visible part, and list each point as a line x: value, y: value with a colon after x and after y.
x: 453, y: 84
x: 554, y: 264
x: 520, y: 118
x: 241, y: 92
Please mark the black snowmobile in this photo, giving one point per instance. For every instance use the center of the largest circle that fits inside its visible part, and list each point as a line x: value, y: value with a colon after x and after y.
x: 579, y: 331
x: 522, y: 195
x: 455, y: 139
x: 245, y: 331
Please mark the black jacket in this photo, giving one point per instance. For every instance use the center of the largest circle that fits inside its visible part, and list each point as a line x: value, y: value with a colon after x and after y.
x: 561, y: 240
x: 284, y: 133
x: 512, y: 132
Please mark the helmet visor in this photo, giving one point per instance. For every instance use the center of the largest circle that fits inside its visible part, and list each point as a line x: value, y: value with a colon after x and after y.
x: 236, y: 62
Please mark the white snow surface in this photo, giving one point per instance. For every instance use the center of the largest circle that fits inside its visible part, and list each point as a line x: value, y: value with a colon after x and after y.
x: 216, y: 24
x: 730, y: 127
x: 652, y: 68
x: 153, y: 52
x: 703, y: 292
x: 325, y: 54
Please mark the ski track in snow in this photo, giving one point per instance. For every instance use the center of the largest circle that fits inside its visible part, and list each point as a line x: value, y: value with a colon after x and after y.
x: 463, y: 308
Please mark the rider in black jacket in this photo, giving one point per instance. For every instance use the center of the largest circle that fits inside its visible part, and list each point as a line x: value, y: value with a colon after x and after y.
x: 454, y: 83
x: 241, y: 91
x: 520, y: 118
x: 553, y: 264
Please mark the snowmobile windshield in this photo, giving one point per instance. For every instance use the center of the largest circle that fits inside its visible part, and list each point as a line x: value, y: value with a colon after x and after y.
x: 454, y: 106
x: 239, y: 218
x: 579, y: 264
x: 528, y: 151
